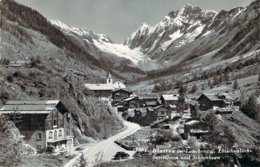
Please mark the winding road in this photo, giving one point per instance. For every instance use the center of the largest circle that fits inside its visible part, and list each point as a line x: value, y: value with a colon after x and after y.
x: 105, y: 150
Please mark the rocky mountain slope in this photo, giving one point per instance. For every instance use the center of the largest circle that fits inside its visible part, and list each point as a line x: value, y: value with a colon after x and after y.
x: 38, y: 61
x: 105, y: 50
x: 194, y: 35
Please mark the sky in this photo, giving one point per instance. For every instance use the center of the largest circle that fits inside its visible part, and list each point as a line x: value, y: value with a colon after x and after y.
x: 119, y: 18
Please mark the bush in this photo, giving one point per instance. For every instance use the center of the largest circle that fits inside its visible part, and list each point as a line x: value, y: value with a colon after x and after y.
x: 17, y: 74
x: 81, y: 161
x: 9, y: 78
x: 35, y: 61
x: 163, y: 136
x: 10, y: 143
x: 4, y: 96
x: 235, y: 85
x: 176, y: 137
x: 192, y: 143
x: 220, y: 134
x: 250, y: 107
x: 4, y: 61
x: 194, y: 88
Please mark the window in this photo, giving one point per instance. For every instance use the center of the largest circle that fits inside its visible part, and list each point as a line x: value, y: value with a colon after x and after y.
x: 54, y: 122
x: 39, y: 147
x: 55, y: 134
x: 60, y: 133
x: 39, y: 136
x: 59, y: 121
x: 50, y: 135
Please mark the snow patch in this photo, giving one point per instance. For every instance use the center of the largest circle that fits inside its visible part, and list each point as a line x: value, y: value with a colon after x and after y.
x: 238, y: 13
x: 189, y: 37
x: 120, y: 50
x: 79, y: 31
x: 177, y: 34
x: 207, y: 33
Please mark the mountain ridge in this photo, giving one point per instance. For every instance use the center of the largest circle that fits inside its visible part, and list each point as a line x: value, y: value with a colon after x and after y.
x: 192, y: 32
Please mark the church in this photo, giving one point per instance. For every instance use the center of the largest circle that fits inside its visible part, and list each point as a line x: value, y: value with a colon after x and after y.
x: 103, y: 89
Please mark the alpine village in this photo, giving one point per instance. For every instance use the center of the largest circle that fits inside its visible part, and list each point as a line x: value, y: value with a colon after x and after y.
x: 182, y: 93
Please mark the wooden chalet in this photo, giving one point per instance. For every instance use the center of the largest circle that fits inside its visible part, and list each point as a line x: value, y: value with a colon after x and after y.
x: 42, y: 123
x: 132, y: 102
x: 148, y: 100
x: 140, y: 112
x: 160, y: 112
x: 209, y: 100
x: 169, y: 99
x: 120, y: 94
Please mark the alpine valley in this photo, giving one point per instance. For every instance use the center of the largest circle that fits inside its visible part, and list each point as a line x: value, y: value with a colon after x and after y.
x: 189, y: 53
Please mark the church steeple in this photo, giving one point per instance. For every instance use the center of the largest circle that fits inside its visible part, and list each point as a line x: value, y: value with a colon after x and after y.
x: 109, y: 78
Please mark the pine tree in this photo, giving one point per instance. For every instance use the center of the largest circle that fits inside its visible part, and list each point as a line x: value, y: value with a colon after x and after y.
x: 210, y: 84
x: 82, y: 161
x: 226, y: 77
x: 194, y: 88
x: 215, y: 80
x: 242, y: 100
x: 235, y: 85
x: 251, y: 107
x: 156, y: 88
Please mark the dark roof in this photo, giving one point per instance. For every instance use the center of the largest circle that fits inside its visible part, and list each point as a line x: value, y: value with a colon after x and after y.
x: 122, y: 89
x: 219, y: 95
x: 158, y: 107
x: 211, y: 96
x: 38, y: 107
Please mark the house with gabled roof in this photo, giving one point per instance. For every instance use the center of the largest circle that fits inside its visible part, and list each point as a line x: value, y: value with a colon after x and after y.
x: 160, y: 112
x: 120, y: 94
x: 43, y: 123
x: 169, y: 99
x: 209, y: 100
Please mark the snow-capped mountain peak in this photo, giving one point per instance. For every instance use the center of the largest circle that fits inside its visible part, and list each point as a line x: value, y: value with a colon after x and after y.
x: 139, y: 35
x: 143, y: 29
x: 190, y: 14
x: 82, y: 32
x: 187, y: 23
x: 145, y: 26
x: 101, y: 46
